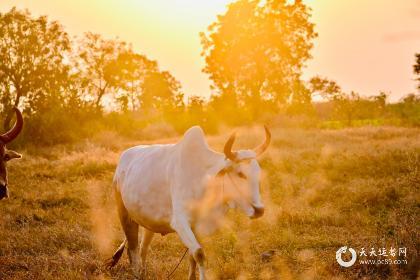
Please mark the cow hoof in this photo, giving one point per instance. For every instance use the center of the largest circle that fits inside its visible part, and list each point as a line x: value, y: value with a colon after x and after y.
x: 137, y: 273
x: 199, y: 256
x: 140, y: 273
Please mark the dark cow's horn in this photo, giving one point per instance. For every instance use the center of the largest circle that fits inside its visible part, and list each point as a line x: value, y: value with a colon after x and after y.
x: 15, y: 130
x: 261, y: 149
x: 228, y: 148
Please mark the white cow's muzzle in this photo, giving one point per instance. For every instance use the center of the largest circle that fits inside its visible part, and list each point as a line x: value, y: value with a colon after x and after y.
x: 258, y: 212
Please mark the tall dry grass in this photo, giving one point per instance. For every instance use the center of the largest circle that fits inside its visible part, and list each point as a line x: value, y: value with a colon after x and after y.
x: 322, y: 189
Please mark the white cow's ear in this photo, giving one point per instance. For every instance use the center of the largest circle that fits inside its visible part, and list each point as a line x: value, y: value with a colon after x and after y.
x: 225, y: 170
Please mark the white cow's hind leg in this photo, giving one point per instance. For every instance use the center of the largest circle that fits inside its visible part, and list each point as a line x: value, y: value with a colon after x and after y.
x: 144, y: 247
x: 131, y: 230
x: 183, y: 228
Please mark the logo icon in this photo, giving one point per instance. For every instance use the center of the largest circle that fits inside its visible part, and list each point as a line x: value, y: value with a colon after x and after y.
x: 343, y: 250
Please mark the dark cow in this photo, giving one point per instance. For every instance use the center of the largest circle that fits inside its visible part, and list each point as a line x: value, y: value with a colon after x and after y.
x: 6, y: 154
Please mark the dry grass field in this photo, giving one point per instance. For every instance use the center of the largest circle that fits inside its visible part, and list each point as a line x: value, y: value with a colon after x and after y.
x: 323, y: 189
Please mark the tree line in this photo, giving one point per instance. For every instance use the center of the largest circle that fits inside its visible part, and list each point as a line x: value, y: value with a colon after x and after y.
x: 71, y: 87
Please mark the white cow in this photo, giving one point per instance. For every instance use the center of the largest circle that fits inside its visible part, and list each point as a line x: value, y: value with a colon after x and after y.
x: 155, y: 186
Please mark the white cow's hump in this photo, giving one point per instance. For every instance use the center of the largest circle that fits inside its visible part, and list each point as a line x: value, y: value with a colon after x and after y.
x: 196, y: 153
x: 194, y: 132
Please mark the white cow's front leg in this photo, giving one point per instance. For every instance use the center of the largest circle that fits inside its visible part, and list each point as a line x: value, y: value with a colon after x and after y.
x: 183, y: 228
x: 193, y: 265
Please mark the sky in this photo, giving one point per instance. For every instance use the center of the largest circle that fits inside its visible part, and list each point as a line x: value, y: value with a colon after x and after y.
x: 366, y: 46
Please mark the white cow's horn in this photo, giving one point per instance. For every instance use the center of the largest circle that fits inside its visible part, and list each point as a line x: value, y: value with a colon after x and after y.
x: 261, y: 149
x: 228, y: 148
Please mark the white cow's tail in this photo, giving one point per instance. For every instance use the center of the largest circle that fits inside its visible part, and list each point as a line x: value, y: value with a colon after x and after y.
x: 110, y: 263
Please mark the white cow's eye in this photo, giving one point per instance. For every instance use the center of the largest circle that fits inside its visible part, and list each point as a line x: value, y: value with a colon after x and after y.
x: 242, y: 175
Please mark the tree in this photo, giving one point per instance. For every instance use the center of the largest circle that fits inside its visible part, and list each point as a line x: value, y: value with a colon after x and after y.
x: 133, y: 69
x: 380, y: 100
x: 324, y: 87
x: 161, y: 92
x: 256, y: 51
x: 345, y: 105
x: 99, y: 66
x: 411, y: 98
x: 300, y: 99
x: 195, y: 107
x: 416, y: 68
x: 32, y: 61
